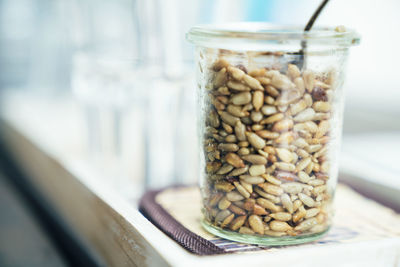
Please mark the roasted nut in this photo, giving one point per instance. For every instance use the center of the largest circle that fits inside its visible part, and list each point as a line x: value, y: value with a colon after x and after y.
x: 224, y: 186
x: 247, y: 186
x: 286, y: 176
x: 258, y: 72
x: 287, y: 203
x: 228, y: 147
x: 292, y: 187
x: 298, y: 107
x: 223, y: 204
x: 284, y: 154
x: 305, y: 115
x: 272, y: 91
x: 308, y: 201
x: 284, y: 166
x: 256, y: 141
x: 225, y: 169
x: 256, y: 224
x: 237, y: 223
x: 319, y: 94
x: 271, y: 189
x: 286, y: 98
x: 255, y: 159
x: 236, y: 111
x: 236, y: 73
x: 256, y: 116
x: 234, y: 196
x: 307, y: 224
x: 283, y: 125
x: 252, y: 83
x: 222, y: 215
x: 252, y: 179
x: 293, y: 71
x: 273, y: 118
x: 219, y: 64
x: 234, y: 160
x: 267, y: 134
x: 267, y: 204
x: 238, y: 86
x: 299, y: 82
x: 258, y: 100
x: 241, y: 190
x: 279, y: 226
x: 228, y: 118
x: 227, y: 220
x: 309, y: 78
x: 268, y: 110
x: 282, y: 82
x: 241, y: 98
x: 258, y: 210
x: 321, y: 106
x: 246, y: 230
x: 256, y: 170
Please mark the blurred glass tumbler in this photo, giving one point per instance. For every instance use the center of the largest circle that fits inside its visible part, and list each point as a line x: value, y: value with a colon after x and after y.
x: 270, y: 121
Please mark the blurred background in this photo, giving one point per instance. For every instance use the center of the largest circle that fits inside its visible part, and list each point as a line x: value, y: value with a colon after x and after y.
x: 111, y: 83
x: 124, y: 72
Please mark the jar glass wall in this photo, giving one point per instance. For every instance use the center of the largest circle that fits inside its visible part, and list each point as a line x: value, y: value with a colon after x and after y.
x: 270, y: 121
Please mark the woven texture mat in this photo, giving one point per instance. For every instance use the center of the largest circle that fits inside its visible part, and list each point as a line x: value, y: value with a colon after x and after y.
x: 177, y: 212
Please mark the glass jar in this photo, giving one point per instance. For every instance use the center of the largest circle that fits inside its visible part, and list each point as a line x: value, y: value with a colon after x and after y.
x: 270, y: 121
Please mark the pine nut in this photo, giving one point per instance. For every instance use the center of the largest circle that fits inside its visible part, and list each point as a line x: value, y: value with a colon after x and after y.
x: 234, y: 196
x: 282, y: 82
x: 287, y: 203
x: 234, y: 160
x: 256, y: 224
x: 268, y: 110
x: 236, y: 73
x: 293, y: 71
x: 284, y: 154
x: 220, y: 78
x: 305, y: 115
x: 307, y: 224
x: 321, y: 106
x: 224, y: 204
x: 237, y: 86
x: 267, y: 204
x: 252, y: 179
x: 241, y: 190
x: 309, y: 78
x: 279, y: 226
x: 256, y: 141
x: 241, y: 98
x: 256, y: 170
x: 252, y: 83
x: 237, y: 222
x: 258, y: 100
x: 255, y: 159
x: 292, y: 188
x: 308, y: 201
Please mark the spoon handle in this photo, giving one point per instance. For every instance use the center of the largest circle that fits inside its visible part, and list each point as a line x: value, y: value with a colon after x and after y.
x: 310, y: 23
x: 314, y: 17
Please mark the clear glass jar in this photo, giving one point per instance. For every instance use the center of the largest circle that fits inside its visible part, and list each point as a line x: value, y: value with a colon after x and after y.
x: 270, y: 120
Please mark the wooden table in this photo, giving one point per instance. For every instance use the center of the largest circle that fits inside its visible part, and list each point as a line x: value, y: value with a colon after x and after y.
x: 109, y: 222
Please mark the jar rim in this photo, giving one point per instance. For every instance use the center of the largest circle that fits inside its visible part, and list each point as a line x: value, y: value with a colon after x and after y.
x: 263, y: 33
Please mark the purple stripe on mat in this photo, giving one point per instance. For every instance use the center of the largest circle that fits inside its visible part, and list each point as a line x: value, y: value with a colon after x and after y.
x: 156, y: 214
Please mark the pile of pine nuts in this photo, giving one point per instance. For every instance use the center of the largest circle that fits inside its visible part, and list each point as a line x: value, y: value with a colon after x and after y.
x: 266, y: 148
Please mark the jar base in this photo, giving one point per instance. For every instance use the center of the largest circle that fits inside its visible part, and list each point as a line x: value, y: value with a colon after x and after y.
x: 262, y: 240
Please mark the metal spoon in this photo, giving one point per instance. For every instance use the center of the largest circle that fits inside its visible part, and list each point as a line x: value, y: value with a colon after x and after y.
x: 310, y: 23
